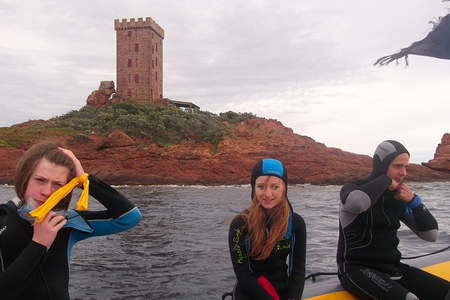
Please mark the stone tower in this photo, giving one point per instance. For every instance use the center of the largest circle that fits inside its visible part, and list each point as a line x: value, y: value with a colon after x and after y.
x: 139, y: 60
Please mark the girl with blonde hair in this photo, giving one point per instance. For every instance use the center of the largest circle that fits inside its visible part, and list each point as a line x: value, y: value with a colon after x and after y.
x: 264, y: 236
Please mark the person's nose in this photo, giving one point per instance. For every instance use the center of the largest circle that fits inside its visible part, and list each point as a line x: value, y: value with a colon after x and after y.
x: 267, y: 192
x: 46, y: 190
x: 403, y: 172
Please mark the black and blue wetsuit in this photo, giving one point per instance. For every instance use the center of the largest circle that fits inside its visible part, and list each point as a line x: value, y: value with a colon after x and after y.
x: 289, y: 285
x: 29, y: 270
x: 367, y: 256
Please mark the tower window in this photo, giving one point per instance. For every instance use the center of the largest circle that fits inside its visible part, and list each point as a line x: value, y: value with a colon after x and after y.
x: 129, y: 62
x: 136, y: 78
x: 129, y: 92
x: 136, y: 47
x: 130, y: 33
x: 156, y: 76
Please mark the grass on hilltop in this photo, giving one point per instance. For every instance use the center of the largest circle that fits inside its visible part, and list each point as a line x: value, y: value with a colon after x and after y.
x: 164, y: 125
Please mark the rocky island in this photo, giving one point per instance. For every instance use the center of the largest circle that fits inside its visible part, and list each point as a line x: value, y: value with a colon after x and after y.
x: 128, y: 143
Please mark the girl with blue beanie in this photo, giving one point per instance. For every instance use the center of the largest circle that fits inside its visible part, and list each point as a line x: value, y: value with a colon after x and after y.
x: 264, y: 235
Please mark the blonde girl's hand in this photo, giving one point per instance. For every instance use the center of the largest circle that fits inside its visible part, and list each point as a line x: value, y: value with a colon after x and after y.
x: 78, y: 168
x: 44, y: 233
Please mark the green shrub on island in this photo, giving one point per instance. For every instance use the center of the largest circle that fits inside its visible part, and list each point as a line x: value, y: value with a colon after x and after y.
x: 165, y: 125
x: 3, y: 143
x: 18, y: 135
x: 233, y: 117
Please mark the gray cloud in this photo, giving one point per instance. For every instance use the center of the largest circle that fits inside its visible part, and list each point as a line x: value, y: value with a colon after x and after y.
x: 291, y: 61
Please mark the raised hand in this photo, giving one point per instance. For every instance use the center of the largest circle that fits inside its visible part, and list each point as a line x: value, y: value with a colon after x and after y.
x: 404, y: 193
x: 78, y: 168
x: 45, y: 232
x: 394, y: 185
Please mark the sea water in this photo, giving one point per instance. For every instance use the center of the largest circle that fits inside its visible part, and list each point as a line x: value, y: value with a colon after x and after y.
x: 180, y: 248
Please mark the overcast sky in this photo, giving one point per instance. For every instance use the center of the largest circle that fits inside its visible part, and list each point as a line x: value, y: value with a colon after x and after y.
x: 308, y: 64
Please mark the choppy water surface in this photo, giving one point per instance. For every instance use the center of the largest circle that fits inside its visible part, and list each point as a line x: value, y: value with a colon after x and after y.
x: 180, y: 250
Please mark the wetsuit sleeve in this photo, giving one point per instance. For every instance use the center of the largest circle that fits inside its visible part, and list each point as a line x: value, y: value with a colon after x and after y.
x: 419, y: 219
x: 358, y: 198
x: 241, y: 264
x: 297, y: 278
x: 13, y: 277
x: 120, y: 213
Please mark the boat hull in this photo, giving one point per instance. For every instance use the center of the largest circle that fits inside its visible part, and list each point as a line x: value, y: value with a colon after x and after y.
x: 438, y: 264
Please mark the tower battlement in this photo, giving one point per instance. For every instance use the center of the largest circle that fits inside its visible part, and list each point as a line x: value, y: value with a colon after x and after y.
x: 124, y: 24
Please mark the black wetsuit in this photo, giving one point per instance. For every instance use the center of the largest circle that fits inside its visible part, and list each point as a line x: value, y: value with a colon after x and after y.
x: 368, y: 258
x: 274, y: 268
x: 29, y: 271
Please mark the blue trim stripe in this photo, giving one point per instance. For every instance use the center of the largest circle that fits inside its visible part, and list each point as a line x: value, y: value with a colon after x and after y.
x: 272, y: 166
x: 291, y: 256
x: 416, y: 201
x: 105, y: 227
x: 290, y: 235
x: 290, y: 228
x: 111, y: 226
x: 75, y: 221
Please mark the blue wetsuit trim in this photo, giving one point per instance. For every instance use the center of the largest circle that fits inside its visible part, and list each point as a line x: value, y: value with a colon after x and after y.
x: 416, y: 201
x: 91, y: 228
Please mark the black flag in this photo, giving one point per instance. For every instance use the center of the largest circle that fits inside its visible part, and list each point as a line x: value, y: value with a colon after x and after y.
x: 435, y: 44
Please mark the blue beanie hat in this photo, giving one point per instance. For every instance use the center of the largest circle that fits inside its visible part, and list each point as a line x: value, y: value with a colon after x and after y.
x: 269, y: 167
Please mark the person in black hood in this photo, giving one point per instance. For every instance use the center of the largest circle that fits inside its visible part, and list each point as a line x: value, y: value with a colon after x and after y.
x: 370, y: 212
x: 264, y: 235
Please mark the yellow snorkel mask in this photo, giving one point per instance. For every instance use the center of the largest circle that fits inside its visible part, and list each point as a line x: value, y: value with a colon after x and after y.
x: 82, y: 204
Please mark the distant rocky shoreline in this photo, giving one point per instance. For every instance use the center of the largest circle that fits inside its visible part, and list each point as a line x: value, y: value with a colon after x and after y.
x: 120, y: 159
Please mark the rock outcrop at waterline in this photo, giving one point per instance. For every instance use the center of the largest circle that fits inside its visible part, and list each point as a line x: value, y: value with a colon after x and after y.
x: 120, y: 159
x: 441, y: 160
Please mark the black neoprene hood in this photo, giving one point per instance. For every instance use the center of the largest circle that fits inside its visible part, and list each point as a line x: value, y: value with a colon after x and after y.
x: 385, y: 153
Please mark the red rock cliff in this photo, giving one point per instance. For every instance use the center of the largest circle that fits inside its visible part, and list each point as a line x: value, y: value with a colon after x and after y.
x: 118, y: 159
x: 441, y: 160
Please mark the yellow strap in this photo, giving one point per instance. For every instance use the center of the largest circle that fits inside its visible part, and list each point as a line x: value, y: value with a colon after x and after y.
x: 82, y: 204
